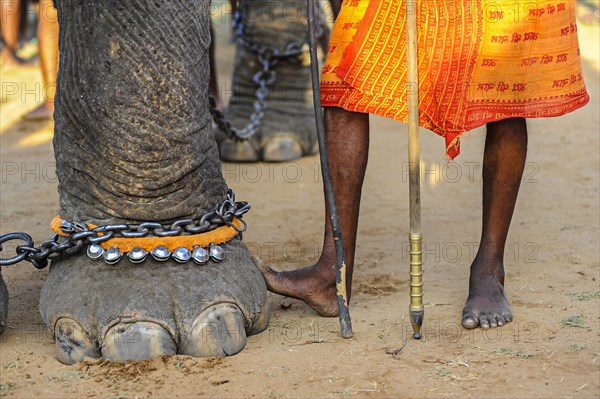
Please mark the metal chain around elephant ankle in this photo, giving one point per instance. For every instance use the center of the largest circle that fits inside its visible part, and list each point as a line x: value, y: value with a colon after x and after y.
x: 268, y: 57
x: 76, y: 235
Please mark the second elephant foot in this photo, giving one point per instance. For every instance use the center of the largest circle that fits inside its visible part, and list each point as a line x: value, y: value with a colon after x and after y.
x: 280, y: 147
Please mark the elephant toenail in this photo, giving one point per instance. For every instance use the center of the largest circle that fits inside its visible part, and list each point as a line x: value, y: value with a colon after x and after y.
x: 217, y: 331
x: 238, y: 152
x: 73, y: 343
x: 137, y: 341
x: 282, y: 147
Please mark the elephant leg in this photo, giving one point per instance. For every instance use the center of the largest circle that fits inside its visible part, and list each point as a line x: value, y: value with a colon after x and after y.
x: 287, y: 130
x: 3, y: 303
x: 134, y: 142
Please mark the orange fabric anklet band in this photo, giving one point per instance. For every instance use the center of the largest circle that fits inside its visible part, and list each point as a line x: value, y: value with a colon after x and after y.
x: 220, y: 235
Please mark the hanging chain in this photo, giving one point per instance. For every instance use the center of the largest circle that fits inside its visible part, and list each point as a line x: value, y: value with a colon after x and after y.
x: 268, y: 57
x: 80, y: 234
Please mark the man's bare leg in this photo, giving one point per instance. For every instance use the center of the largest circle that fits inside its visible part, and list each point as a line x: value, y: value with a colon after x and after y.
x: 10, y: 15
x: 336, y: 6
x: 347, y: 137
x: 503, y: 163
x: 48, y: 42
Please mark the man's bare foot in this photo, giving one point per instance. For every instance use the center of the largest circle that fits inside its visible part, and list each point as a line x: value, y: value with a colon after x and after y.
x: 308, y: 284
x: 43, y: 112
x: 487, y: 305
x: 10, y: 60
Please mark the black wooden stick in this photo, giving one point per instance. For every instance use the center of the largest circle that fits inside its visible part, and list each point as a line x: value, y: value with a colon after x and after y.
x: 340, y: 278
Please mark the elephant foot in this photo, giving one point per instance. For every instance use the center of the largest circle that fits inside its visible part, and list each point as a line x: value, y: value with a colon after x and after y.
x: 133, y: 312
x: 274, y: 95
x: 281, y: 147
x: 3, y: 304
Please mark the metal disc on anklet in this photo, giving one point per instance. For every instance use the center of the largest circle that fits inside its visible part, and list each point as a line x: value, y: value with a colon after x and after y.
x: 95, y: 251
x: 161, y: 253
x: 137, y: 255
x: 200, y: 256
x: 182, y: 255
x: 217, y: 253
x: 112, y: 256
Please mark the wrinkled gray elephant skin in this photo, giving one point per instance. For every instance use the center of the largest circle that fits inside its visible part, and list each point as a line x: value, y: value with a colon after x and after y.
x: 134, y: 142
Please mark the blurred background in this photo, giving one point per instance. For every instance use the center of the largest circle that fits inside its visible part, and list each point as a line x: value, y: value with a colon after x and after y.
x: 29, y: 59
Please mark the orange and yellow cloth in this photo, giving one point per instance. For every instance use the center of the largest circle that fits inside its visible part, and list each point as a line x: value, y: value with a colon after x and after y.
x: 218, y: 236
x: 479, y: 61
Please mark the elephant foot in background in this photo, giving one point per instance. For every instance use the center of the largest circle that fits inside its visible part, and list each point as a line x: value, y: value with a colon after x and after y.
x: 284, y: 144
x: 132, y: 312
x: 3, y: 303
x: 287, y: 131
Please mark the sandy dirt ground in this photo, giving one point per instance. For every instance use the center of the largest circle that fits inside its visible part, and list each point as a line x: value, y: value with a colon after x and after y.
x: 552, y: 348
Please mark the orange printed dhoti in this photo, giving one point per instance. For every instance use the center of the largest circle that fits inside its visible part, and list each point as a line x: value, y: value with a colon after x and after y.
x: 479, y: 61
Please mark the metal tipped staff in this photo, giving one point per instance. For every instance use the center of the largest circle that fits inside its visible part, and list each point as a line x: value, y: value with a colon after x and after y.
x: 416, y: 308
x: 340, y: 280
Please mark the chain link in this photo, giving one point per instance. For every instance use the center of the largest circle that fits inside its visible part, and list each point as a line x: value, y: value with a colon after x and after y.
x: 80, y: 234
x: 268, y: 57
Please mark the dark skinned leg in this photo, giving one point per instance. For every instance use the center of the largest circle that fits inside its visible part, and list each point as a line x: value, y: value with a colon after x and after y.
x: 233, y: 4
x: 336, y: 6
x: 503, y: 163
x: 9, y: 21
x: 347, y: 137
x: 48, y: 42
